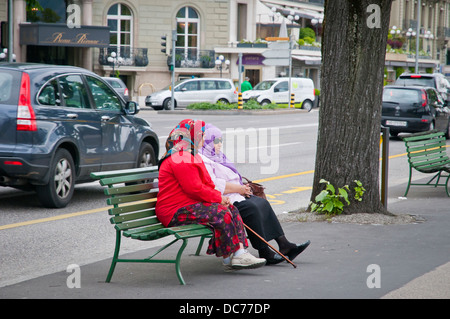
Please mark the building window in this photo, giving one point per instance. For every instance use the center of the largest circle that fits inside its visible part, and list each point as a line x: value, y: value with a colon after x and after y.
x: 188, y: 28
x: 120, y: 20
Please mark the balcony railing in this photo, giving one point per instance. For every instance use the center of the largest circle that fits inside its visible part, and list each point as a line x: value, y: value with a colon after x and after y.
x: 129, y: 56
x: 193, y: 58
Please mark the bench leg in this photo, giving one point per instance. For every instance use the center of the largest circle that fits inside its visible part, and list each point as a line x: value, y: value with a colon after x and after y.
x: 178, y: 260
x: 200, y: 245
x: 115, y: 257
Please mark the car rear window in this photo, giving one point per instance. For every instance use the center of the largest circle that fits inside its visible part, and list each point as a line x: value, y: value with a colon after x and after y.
x: 115, y: 84
x: 9, y: 87
x: 416, y: 80
x: 401, y: 95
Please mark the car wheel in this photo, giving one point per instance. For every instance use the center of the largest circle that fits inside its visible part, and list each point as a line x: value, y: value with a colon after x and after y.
x: 431, y: 127
x: 146, y: 156
x: 59, y: 190
x: 265, y: 102
x: 167, y: 104
x: 223, y: 101
x: 307, y: 105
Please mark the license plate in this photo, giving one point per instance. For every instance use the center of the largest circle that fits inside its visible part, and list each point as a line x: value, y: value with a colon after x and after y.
x: 396, y: 123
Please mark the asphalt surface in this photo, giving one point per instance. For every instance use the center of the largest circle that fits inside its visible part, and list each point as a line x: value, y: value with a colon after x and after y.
x: 348, y: 261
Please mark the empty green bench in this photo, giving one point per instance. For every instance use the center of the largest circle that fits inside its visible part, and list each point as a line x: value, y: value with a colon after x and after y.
x: 133, y: 194
x: 427, y: 154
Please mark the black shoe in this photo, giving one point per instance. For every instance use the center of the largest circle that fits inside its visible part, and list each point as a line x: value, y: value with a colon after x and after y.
x: 297, y: 251
x: 276, y: 259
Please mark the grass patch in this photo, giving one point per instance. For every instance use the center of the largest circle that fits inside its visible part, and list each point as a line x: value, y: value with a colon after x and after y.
x: 249, y: 105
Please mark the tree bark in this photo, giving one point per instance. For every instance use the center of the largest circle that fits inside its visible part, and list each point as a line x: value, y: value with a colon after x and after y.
x: 353, y: 54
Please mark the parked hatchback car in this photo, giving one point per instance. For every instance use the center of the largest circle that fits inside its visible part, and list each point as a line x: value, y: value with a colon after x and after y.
x: 60, y: 123
x: 119, y: 86
x: 412, y: 109
x: 193, y: 91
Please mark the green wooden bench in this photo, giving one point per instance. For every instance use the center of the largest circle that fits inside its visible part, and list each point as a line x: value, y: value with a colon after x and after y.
x: 133, y: 194
x: 427, y: 154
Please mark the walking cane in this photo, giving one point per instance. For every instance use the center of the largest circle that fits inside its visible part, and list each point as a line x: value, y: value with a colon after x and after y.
x: 287, y: 259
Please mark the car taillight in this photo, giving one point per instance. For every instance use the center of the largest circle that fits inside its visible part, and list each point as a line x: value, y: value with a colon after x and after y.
x: 126, y: 92
x: 16, y: 163
x: 416, y: 76
x: 424, y: 99
x: 26, y: 119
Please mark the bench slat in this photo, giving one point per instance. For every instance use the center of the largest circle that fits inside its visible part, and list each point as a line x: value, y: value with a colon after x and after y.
x: 116, y: 190
x: 116, y: 200
x: 131, y: 208
x: 128, y: 178
x: 124, y: 172
x: 132, y: 216
x: 423, y: 136
x: 136, y: 223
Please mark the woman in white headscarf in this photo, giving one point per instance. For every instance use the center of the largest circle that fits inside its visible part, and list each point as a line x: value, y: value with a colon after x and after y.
x: 256, y: 212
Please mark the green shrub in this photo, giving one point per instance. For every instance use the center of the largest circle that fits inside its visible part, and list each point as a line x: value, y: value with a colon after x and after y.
x: 332, y: 202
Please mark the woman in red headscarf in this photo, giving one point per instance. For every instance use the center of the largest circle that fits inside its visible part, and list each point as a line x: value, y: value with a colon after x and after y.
x: 187, y: 195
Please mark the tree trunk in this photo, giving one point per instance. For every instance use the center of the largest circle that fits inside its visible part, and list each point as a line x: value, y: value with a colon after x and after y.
x: 353, y: 54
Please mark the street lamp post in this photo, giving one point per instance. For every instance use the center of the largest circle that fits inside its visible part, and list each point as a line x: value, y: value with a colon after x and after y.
x: 410, y: 33
x: 114, y: 60
x: 219, y: 63
x: 428, y: 35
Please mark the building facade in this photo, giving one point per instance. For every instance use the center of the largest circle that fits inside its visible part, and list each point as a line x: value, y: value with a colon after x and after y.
x: 433, y: 37
x: 123, y: 37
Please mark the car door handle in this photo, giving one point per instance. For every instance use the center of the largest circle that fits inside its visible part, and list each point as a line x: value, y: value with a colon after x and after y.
x: 72, y: 115
x: 105, y: 118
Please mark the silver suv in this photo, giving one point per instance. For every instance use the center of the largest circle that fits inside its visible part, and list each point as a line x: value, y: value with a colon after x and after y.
x: 194, y: 91
x: 434, y: 80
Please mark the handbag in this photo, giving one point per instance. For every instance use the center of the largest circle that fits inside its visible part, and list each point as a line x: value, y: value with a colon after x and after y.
x: 257, y: 189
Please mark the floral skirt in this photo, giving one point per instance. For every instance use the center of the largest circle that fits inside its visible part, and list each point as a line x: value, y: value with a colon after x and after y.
x: 225, y: 221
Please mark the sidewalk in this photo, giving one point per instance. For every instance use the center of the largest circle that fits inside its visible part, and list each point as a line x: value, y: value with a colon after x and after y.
x: 413, y: 262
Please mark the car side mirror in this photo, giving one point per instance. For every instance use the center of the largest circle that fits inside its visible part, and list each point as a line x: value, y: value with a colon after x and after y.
x: 131, y: 108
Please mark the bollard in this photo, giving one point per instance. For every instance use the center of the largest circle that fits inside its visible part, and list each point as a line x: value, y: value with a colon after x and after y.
x: 240, y: 100
x: 292, y: 100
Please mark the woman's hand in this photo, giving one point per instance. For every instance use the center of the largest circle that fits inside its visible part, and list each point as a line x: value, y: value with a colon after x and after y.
x: 225, y: 201
x: 245, y: 191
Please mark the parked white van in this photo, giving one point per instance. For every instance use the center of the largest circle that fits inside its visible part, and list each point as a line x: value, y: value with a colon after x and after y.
x: 277, y: 91
x: 193, y: 91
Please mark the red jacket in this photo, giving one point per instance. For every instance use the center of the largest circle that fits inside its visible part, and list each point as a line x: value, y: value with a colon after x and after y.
x: 183, y: 181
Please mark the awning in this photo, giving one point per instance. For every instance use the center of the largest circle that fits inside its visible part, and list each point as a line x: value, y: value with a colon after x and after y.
x: 302, y: 10
x: 309, y: 60
x: 59, y: 34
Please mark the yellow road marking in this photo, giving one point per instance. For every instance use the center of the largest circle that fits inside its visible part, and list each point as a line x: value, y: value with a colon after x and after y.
x: 54, y: 218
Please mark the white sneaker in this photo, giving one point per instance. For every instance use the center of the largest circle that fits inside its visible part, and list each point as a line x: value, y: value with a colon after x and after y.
x: 247, y: 261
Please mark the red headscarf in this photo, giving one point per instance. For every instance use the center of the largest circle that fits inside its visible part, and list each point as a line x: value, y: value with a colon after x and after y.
x: 186, y: 136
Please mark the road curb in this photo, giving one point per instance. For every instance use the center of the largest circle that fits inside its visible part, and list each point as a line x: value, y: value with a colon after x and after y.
x: 233, y: 112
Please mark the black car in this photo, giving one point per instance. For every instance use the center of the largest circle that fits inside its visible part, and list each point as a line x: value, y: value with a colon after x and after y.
x: 412, y: 109
x: 60, y: 123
